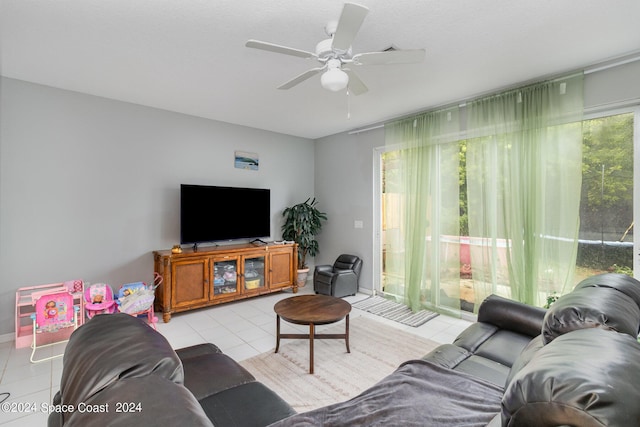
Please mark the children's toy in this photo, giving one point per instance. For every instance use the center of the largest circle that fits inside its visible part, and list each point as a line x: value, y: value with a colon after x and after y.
x: 137, y: 299
x: 53, y: 312
x: 74, y: 285
x: 99, y: 300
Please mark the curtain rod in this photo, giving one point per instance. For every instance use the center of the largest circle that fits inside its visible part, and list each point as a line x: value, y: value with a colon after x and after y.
x: 367, y: 129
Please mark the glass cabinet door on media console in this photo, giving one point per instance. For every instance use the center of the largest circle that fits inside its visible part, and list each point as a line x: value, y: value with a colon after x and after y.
x: 253, y: 273
x: 225, y: 276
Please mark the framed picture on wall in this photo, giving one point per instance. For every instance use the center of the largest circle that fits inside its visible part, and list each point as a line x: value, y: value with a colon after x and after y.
x: 245, y: 160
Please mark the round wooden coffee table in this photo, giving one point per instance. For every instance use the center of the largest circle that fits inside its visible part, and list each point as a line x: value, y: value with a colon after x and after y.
x: 312, y: 310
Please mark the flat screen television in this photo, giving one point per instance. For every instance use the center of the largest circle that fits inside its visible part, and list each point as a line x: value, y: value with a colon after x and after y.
x: 211, y: 213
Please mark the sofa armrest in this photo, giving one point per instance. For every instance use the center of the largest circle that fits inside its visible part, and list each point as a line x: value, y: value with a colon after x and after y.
x: 187, y: 353
x: 150, y: 400
x: 208, y: 374
x: 447, y: 355
x: 323, y: 269
x: 587, y: 377
x: 511, y: 315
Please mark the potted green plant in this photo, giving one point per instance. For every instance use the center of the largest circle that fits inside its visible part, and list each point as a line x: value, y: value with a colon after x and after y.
x: 302, y: 222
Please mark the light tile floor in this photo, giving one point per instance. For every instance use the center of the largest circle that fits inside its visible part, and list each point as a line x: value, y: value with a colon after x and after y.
x: 241, y: 329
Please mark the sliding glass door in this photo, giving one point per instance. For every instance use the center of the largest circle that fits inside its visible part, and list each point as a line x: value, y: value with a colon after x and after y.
x: 442, y: 273
x: 608, y: 202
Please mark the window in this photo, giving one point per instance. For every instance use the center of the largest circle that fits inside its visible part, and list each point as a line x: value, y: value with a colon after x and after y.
x: 606, y: 202
x: 605, y: 242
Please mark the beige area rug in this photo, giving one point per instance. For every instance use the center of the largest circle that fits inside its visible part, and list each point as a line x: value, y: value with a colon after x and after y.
x: 376, y: 351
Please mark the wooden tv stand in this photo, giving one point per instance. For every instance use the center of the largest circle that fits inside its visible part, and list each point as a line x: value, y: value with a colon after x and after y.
x: 218, y: 274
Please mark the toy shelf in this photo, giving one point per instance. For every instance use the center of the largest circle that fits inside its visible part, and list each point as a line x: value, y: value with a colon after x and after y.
x: 25, y: 306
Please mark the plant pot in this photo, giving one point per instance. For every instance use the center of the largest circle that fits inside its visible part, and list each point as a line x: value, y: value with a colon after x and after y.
x: 303, y: 273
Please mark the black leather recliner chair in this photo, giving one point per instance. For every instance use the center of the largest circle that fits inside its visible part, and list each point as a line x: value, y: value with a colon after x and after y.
x: 339, y: 279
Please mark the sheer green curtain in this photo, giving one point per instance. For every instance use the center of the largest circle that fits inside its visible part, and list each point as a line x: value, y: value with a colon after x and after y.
x: 426, y: 201
x: 524, y: 159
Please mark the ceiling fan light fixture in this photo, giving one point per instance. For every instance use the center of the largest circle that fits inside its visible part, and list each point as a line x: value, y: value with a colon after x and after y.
x: 336, y: 51
x: 334, y: 79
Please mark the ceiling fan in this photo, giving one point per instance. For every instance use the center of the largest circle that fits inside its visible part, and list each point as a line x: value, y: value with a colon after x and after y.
x: 335, y: 56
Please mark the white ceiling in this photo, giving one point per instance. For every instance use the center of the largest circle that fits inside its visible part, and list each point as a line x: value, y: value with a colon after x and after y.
x: 189, y: 56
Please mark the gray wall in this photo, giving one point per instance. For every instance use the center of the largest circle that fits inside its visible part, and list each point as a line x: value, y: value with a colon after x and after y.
x: 344, y: 188
x: 89, y: 187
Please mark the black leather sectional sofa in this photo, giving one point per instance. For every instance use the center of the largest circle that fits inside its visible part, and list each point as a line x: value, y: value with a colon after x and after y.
x: 577, y: 364
x: 127, y: 374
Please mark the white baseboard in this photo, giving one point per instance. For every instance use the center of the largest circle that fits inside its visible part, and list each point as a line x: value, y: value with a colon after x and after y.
x: 7, y: 337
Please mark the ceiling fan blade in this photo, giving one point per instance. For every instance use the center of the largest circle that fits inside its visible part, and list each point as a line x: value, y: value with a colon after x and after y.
x: 356, y: 86
x: 348, y: 26
x: 389, y: 57
x: 302, y: 77
x: 256, y: 44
